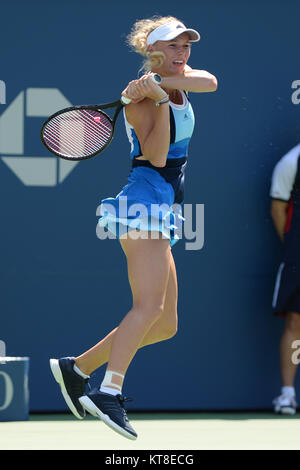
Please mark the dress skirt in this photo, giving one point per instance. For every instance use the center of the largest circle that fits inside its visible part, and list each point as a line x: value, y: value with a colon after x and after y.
x: 145, y: 204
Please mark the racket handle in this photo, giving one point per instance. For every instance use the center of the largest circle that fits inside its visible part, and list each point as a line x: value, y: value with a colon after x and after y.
x: 125, y: 100
x: 156, y: 78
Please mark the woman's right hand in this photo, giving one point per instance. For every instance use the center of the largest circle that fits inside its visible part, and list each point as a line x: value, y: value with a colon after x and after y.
x: 132, y: 93
x: 142, y: 88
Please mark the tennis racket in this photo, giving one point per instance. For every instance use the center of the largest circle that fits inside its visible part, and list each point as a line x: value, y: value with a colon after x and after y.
x: 81, y: 132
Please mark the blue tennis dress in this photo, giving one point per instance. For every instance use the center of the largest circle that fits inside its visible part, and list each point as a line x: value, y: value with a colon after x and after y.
x: 152, y: 198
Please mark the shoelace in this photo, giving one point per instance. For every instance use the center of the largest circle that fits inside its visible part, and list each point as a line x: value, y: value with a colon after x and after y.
x: 122, y: 400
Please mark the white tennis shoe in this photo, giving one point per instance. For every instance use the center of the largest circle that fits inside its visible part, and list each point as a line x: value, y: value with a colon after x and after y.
x: 285, y: 405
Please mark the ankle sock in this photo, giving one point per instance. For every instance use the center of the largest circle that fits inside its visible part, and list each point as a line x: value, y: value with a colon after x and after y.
x: 79, y: 372
x: 108, y: 386
x: 109, y: 390
x: 288, y: 391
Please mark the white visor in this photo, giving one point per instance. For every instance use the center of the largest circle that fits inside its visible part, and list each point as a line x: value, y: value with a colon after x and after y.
x: 171, y: 30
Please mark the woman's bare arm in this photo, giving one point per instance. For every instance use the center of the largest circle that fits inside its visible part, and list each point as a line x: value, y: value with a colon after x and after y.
x: 197, y: 81
x: 152, y: 127
x: 150, y: 122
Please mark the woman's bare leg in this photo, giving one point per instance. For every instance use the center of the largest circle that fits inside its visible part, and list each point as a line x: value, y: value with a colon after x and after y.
x: 165, y: 327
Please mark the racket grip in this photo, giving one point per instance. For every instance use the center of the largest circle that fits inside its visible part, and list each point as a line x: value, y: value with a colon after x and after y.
x: 156, y: 78
x: 125, y: 100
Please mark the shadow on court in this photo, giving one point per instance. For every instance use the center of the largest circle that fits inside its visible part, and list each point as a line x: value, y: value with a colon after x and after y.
x: 157, y: 416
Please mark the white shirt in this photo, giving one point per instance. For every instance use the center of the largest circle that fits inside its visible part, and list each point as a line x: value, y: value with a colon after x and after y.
x: 284, y: 175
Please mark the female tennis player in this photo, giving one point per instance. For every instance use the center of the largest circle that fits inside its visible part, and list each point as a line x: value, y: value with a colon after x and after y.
x: 159, y: 123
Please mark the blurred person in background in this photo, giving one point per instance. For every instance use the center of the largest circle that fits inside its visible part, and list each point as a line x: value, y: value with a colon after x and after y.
x: 285, y: 212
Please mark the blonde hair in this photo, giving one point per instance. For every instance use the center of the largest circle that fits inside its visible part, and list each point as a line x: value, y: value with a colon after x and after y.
x: 137, y: 40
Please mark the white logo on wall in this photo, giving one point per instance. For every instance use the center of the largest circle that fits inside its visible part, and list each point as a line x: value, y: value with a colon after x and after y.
x: 2, y: 92
x: 9, y: 391
x: 32, y: 170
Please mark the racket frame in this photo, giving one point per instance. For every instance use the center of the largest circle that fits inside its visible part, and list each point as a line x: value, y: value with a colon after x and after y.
x: 119, y: 104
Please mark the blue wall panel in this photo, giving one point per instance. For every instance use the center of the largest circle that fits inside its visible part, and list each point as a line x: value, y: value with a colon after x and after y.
x: 59, y: 282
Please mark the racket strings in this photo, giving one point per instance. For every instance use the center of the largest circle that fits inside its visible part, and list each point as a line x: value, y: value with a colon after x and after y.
x: 78, y: 133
